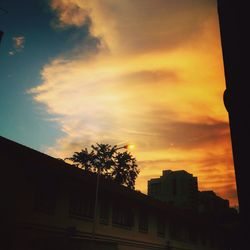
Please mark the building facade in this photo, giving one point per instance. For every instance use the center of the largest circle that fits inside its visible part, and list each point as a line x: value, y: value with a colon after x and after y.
x: 179, y: 188
x: 210, y: 202
x: 49, y: 204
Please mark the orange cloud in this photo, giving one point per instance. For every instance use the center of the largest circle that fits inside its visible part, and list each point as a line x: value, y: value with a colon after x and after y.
x: 69, y: 13
x: 156, y: 79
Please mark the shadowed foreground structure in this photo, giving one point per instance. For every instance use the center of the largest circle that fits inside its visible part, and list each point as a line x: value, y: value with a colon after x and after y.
x: 234, y: 27
x: 49, y: 205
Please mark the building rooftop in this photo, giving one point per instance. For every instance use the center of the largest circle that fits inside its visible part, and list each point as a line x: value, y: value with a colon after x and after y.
x: 40, y: 165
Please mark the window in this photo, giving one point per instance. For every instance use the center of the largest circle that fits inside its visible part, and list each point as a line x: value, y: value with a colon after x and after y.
x: 122, y: 216
x: 155, y: 188
x: 203, y: 238
x: 174, y: 231
x: 212, y: 240
x: 45, y: 200
x: 81, y: 205
x: 161, y: 227
x: 104, y: 211
x: 143, y: 222
x: 192, y: 235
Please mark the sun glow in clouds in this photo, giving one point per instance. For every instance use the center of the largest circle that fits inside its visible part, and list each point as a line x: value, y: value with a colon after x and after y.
x: 155, y: 78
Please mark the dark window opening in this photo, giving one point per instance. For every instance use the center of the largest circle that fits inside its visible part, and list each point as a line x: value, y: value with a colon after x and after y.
x: 81, y: 205
x: 193, y: 235
x: 104, y: 211
x: 155, y: 188
x: 143, y: 222
x: 174, y: 231
x: 203, y: 239
x: 161, y: 227
x: 45, y: 200
x: 122, y: 216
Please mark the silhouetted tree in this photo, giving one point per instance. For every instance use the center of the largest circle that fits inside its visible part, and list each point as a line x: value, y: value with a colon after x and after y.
x: 126, y: 169
x: 118, y: 166
x: 103, y: 158
x: 83, y: 159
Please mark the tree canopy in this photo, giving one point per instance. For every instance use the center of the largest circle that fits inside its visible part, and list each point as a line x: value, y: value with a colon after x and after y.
x: 121, y: 167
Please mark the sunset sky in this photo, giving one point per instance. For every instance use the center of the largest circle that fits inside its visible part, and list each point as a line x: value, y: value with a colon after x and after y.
x: 147, y: 72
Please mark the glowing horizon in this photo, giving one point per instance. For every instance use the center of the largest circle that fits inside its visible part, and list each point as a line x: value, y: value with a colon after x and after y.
x: 154, y: 77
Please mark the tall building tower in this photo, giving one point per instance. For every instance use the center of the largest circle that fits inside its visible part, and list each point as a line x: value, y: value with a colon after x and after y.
x: 176, y: 187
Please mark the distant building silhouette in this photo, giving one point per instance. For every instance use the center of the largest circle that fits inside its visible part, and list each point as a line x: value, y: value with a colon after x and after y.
x: 48, y: 204
x: 210, y: 202
x: 179, y: 188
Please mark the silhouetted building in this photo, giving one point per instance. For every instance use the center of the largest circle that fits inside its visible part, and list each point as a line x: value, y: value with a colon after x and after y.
x: 176, y: 187
x: 210, y: 202
x: 235, y: 39
x: 48, y: 204
x: 1, y: 35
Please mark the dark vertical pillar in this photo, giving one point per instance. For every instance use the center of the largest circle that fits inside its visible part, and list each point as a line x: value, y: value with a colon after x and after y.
x: 234, y: 19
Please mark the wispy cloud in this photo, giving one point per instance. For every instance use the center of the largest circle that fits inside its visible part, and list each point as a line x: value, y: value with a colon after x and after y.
x: 156, y: 80
x: 11, y: 53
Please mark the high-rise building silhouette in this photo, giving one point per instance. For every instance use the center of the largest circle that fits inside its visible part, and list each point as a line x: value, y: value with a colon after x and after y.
x: 179, y: 188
